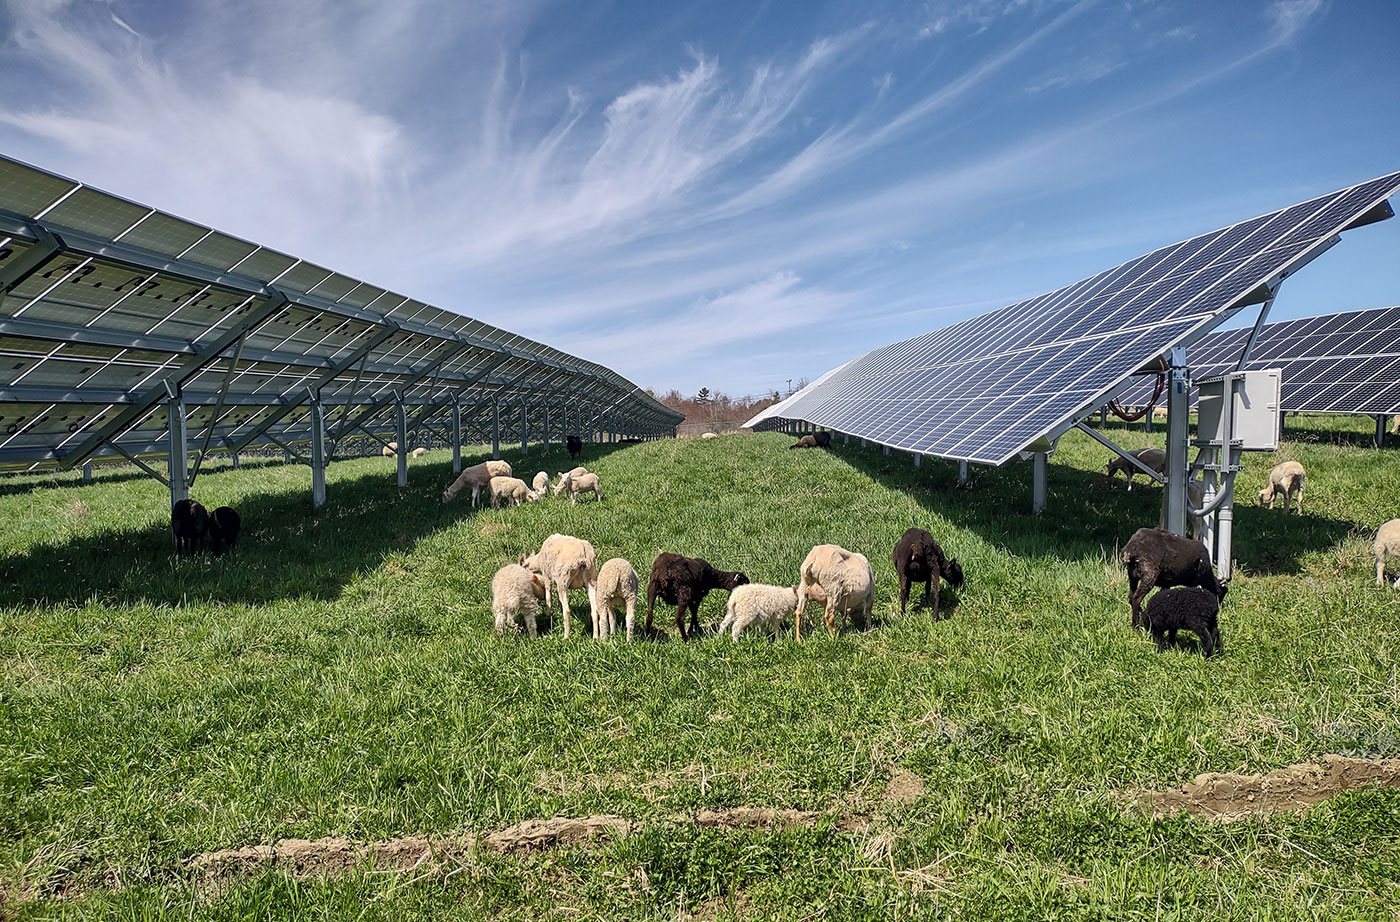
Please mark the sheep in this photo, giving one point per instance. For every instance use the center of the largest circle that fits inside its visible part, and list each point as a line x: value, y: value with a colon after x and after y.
x: 617, y: 585
x: 189, y: 522
x: 918, y: 558
x: 1155, y: 557
x: 807, y: 441
x: 1387, y: 545
x: 576, y: 472
x: 1286, y: 478
x: 1196, y: 495
x: 757, y: 602
x: 511, y: 488
x: 575, y: 446
x: 540, y: 482
x: 418, y: 452
x: 684, y: 582
x: 845, y: 578
x: 478, y: 477
x: 584, y: 483
x: 224, y: 526
x: 515, y: 592
x: 1154, y: 458
x: 709, y: 435
x: 823, y: 439
x: 1195, y: 610
x: 567, y: 563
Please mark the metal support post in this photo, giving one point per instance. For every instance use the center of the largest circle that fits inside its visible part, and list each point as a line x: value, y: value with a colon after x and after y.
x: 401, y: 428
x: 318, y: 453
x: 1380, y: 430
x: 545, y: 410
x: 1178, y: 406
x: 887, y: 449
x: 1038, y: 483
x: 845, y: 438
x: 918, y: 460
x: 456, y: 437
x: 179, y: 458
x: 495, y: 430
x: 962, y: 473
x: 87, y: 472
x: 524, y: 428
x: 235, y: 461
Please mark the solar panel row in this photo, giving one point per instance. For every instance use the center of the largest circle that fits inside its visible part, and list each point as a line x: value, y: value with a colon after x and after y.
x: 109, y: 306
x: 989, y: 387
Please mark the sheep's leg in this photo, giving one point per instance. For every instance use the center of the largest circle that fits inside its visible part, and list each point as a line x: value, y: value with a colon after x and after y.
x: 728, y: 620
x: 937, y: 595
x: 928, y: 587
x: 831, y: 614
x: 563, y: 589
x: 531, y: 625
x: 601, y: 618
x: 869, y: 608
x: 694, y: 617
x: 1207, y: 642
x: 801, y: 604
x: 682, y: 602
x: 1380, y: 564
x: 1161, y: 638
x: 1300, y: 499
x: 903, y: 592
x: 1140, y: 584
x: 1171, y: 637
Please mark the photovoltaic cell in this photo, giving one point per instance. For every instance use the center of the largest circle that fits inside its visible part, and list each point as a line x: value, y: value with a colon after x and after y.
x: 991, y: 386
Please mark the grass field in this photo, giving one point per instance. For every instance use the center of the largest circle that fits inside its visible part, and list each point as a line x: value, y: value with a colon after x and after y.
x: 337, y: 676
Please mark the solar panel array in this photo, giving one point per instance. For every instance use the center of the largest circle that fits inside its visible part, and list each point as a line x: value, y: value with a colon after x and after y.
x: 992, y: 386
x: 1335, y: 363
x: 110, y: 306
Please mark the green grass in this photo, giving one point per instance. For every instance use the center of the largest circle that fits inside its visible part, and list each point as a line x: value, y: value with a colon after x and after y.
x: 337, y: 675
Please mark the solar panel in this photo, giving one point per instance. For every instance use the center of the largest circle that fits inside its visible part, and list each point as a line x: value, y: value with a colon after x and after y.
x: 991, y: 386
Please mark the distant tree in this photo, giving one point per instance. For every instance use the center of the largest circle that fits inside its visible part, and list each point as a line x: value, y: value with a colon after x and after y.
x: 802, y: 382
x: 703, y: 396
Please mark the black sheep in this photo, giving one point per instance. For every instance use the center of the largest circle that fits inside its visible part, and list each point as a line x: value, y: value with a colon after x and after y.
x: 1195, y: 610
x: 224, y: 526
x: 684, y: 582
x: 575, y: 445
x: 1159, y: 558
x: 189, y: 521
x: 918, y: 558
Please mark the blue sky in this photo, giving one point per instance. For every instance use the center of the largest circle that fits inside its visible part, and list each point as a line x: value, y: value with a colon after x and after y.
x: 716, y: 194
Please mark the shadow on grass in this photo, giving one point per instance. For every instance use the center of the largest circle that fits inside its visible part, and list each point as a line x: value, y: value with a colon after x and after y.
x: 1304, y: 430
x: 20, y: 484
x: 284, y: 551
x: 1086, y: 514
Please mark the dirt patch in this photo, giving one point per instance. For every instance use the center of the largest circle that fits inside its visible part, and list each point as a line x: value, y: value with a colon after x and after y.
x: 905, y: 787
x: 561, y: 830
x: 1292, y: 788
x: 325, y: 857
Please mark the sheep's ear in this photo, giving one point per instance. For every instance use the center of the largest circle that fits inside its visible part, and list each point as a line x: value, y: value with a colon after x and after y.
x: 522, y: 560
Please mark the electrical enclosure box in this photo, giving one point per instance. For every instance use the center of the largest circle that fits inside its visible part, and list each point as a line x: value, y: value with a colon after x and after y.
x: 1254, y: 413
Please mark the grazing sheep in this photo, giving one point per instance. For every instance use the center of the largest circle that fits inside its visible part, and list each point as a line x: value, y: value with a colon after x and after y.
x: 567, y: 563
x: 918, y: 558
x: 709, y: 435
x: 1286, y: 478
x: 1195, y: 610
x: 390, y: 450
x: 224, y: 526
x: 540, y: 482
x: 684, y: 582
x: 1159, y: 558
x: 807, y: 441
x: 575, y: 445
x: 617, y: 585
x: 511, y: 488
x: 1154, y: 458
x: 845, y: 578
x: 189, y: 522
x: 418, y: 452
x: 823, y: 439
x: 583, y: 483
x: 1387, y: 545
x: 576, y: 472
x: 757, y: 602
x: 515, y: 592
x: 478, y: 477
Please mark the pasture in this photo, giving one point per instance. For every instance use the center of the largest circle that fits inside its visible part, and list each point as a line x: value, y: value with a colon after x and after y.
x: 336, y: 676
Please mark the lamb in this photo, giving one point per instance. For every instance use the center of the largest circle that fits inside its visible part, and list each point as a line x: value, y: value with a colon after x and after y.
x: 845, y: 578
x: 511, y: 488
x: 224, y: 526
x: 189, y: 522
x: 757, y: 602
x: 583, y: 483
x: 478, y: 477
x: 575, y: 445
x: 617, y: 585
x: 567, y: 563
x: 1195, y: 610
x: 918, y: 558
x: 1154, y: 458
x: 807, y: 441
x: 1387, y: 545
x: 1159, y: 558
x: 418, y: 452
x: 541, y: 481
x: 684, y: 582
x: 390, y: 450
x: 576, y: 472
x: 1286, y: 478
x: 709, y: 435
x: 515, y: 592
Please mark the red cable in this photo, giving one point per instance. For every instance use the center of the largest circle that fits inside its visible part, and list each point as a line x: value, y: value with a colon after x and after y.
x: 1134, y: 417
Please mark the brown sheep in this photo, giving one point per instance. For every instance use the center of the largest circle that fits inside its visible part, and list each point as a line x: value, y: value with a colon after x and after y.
x: 684, y: 582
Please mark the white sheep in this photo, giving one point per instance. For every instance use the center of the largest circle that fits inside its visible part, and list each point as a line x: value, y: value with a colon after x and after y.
x: 584, y: 483
x: 617, y: 585
x: 566, y: 563
x: 576, y: 472
x: 418, y: 452
x: 844, y: 577
x: 478, y: 477
x: 1286, y: 478
x: 1387, y: 545
x: 756, y: 602
x: 514, y: 594
x: 390, y: 450
x: 709, y: 435
x: 541, y: 482
x: 511, y: 488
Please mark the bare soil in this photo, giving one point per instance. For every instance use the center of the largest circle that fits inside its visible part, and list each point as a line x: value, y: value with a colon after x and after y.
x: 1227, y: 796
